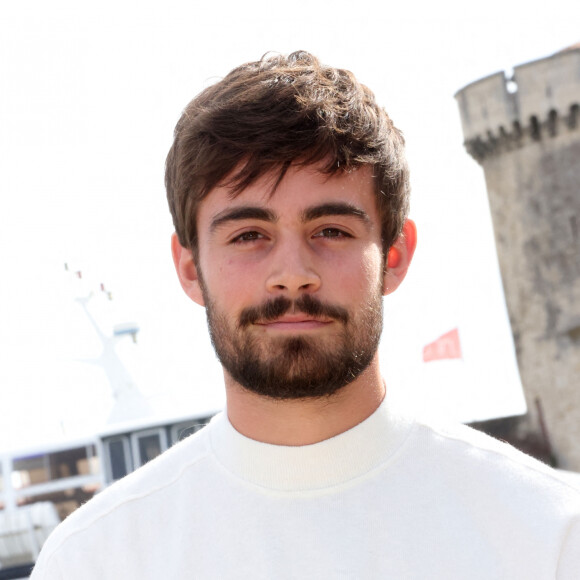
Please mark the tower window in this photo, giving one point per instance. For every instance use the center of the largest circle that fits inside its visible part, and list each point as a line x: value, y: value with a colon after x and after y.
x: 552, y: 123
x: 535, y: 128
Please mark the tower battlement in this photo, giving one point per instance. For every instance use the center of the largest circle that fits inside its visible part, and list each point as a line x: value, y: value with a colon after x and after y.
x: 524, y: 131
x: 542, y: 99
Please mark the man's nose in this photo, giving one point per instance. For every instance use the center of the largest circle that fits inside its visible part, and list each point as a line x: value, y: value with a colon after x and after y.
x: 292, y: 269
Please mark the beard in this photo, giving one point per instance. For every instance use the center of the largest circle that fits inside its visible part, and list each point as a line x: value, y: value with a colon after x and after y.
x: 296, y: 367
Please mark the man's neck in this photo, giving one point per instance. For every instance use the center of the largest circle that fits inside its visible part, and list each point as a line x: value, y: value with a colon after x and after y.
x: 304, y: 421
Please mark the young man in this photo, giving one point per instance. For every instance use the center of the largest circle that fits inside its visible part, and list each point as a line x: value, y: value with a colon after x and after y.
x: 289, y: 194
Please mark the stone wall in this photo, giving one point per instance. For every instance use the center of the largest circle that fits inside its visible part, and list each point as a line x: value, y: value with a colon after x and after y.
x: 525, y: 132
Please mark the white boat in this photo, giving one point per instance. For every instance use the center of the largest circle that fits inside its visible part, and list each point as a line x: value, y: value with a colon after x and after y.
x: 42, y: 485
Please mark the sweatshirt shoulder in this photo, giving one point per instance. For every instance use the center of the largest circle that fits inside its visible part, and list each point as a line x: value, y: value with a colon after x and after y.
x: 153, y: 478
x: 481, y: 452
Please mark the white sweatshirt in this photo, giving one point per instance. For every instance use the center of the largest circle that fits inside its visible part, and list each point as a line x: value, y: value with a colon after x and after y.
x: 390, y: 498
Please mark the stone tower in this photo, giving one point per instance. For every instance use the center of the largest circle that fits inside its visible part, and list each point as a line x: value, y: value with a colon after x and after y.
x: 525, y: 133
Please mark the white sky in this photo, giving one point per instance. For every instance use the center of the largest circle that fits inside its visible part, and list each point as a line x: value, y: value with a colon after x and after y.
x: 88, y: 101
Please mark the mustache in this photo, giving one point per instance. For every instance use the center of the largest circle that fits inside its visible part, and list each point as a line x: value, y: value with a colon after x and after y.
x: 306, y: 304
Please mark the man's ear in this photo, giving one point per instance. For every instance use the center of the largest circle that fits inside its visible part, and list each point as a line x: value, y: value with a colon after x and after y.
x: 399, y: 257
x: 186, y: 270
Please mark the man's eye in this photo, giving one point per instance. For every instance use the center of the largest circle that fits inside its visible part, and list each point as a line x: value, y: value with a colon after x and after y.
x: 332, y: 233
x: 247, y: 237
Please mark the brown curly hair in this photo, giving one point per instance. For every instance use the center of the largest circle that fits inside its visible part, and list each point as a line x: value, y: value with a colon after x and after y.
x: 280, y: 111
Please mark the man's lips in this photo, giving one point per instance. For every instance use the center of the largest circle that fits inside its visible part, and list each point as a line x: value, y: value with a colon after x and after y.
x: 295, y: 323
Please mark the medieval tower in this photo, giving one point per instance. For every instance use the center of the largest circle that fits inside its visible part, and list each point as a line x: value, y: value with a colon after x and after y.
x: 524, y: 130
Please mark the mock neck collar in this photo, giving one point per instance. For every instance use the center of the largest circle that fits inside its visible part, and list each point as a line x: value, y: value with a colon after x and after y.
x: 332, y: 462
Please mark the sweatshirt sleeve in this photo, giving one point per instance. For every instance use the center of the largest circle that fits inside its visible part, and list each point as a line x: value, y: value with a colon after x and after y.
x: 47, y: 567
x: 569, y: 563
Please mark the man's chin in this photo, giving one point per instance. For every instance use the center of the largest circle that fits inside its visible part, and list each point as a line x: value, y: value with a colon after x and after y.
x: 303, y: 374
x: 298, y: 346
x: 290, y: 388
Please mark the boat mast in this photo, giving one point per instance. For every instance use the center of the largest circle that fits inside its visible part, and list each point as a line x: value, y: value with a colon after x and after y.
x: 129, y: 402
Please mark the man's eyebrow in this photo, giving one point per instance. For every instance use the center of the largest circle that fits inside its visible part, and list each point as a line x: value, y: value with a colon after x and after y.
x: 338, y: 208
x: 244, y: 212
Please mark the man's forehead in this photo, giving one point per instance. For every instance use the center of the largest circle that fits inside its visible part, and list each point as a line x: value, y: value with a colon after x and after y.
x: 315, y: 178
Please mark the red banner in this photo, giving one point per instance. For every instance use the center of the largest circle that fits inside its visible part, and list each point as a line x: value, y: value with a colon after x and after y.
x: 445, y: 347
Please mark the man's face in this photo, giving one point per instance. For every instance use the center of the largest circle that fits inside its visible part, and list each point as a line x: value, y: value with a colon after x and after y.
x: 292, y: 282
